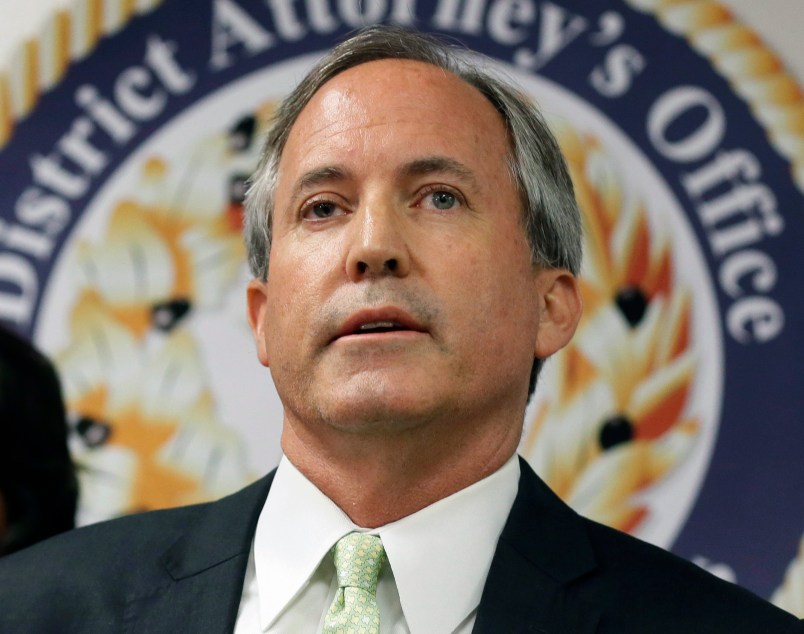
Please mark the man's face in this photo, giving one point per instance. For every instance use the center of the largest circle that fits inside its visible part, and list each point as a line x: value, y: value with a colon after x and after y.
x: 401, y: 289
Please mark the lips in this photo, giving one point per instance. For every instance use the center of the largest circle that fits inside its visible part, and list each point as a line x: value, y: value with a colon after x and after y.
x: 379, y: 321
x: 379, y: 326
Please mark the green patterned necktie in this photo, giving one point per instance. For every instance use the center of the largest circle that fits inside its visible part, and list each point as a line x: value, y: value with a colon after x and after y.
x: 354, y: 610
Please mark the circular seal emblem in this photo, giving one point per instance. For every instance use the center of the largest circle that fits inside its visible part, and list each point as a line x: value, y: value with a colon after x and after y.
x: 126, y: 141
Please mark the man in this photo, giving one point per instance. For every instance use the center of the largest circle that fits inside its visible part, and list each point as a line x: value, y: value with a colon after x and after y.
x: 414, y: 241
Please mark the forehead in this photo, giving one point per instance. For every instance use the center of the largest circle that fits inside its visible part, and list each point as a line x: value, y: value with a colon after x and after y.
x: 389, y: 103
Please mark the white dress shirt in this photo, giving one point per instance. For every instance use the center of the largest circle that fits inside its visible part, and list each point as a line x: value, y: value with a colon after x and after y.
x: 438, y: 558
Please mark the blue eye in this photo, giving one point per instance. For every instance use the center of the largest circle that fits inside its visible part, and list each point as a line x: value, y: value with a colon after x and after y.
x: 443, y: 200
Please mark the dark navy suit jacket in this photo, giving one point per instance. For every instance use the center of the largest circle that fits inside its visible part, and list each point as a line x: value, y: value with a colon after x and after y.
x: 553, y: 572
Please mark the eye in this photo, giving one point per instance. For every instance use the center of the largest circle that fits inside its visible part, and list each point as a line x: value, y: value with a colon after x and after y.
x: 321, y: 210
x: 441, y: 199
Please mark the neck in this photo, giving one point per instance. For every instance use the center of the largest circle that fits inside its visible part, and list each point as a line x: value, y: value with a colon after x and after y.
x: 378, y: 478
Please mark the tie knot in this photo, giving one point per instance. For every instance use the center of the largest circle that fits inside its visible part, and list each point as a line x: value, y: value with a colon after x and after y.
x: 358, y: 559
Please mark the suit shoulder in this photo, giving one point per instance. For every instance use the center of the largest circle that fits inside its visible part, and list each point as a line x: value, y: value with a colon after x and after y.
x: 80, y: 578
x: 83, y: 579
x: 103, y: 546
x: 138, y: 537
x: 660, y: 587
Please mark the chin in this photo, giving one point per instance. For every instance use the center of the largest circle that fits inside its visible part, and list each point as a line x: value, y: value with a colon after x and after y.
x: 373, y: 410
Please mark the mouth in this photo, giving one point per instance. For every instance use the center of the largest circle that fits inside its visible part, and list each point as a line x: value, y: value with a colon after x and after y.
x: 382, y: 321
x: 379, y: 326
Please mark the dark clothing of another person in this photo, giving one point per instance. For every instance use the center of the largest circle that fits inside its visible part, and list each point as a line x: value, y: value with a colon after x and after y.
x: 37, y: 478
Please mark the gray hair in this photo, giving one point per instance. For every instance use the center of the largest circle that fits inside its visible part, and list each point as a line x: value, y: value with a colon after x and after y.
x: 550, y: 213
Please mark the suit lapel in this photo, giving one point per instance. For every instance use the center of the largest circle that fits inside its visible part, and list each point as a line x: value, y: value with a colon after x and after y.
x: 204, y: 570
x: 542, y: 549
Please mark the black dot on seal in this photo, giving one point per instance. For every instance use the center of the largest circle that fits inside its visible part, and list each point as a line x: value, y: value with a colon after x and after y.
x: 632, y: 304
x: 238, y: 184
x: 165, y: 315
x: 615, y: 431
x: 242, y: 134
x: 93, y: 432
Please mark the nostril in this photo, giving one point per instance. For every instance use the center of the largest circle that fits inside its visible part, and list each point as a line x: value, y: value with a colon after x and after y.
x: 389, y: 266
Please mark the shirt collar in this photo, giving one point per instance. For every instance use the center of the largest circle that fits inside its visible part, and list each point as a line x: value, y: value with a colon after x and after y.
x: 440, y: 555
x: 297, y: 527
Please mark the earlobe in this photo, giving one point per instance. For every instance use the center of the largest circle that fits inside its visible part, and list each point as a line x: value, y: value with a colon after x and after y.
x: 561, y: 309
x: 257, y: 308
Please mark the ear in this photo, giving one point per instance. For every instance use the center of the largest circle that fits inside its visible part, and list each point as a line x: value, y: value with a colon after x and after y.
x: 560, y: 310
x: 257, y: 301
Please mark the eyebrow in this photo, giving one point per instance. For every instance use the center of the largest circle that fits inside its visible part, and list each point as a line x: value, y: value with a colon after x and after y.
x: 313, y: 178
x: 418, y: 167
x: 438, y: 164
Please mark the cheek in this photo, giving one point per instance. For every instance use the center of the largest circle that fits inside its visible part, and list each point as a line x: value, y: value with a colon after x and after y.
x: 297, y: 286
x: 307, y: 256
x: 503, y: 298
x: 474, y: 294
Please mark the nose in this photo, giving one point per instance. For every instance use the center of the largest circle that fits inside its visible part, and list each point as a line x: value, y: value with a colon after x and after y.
x: 377, y: 244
